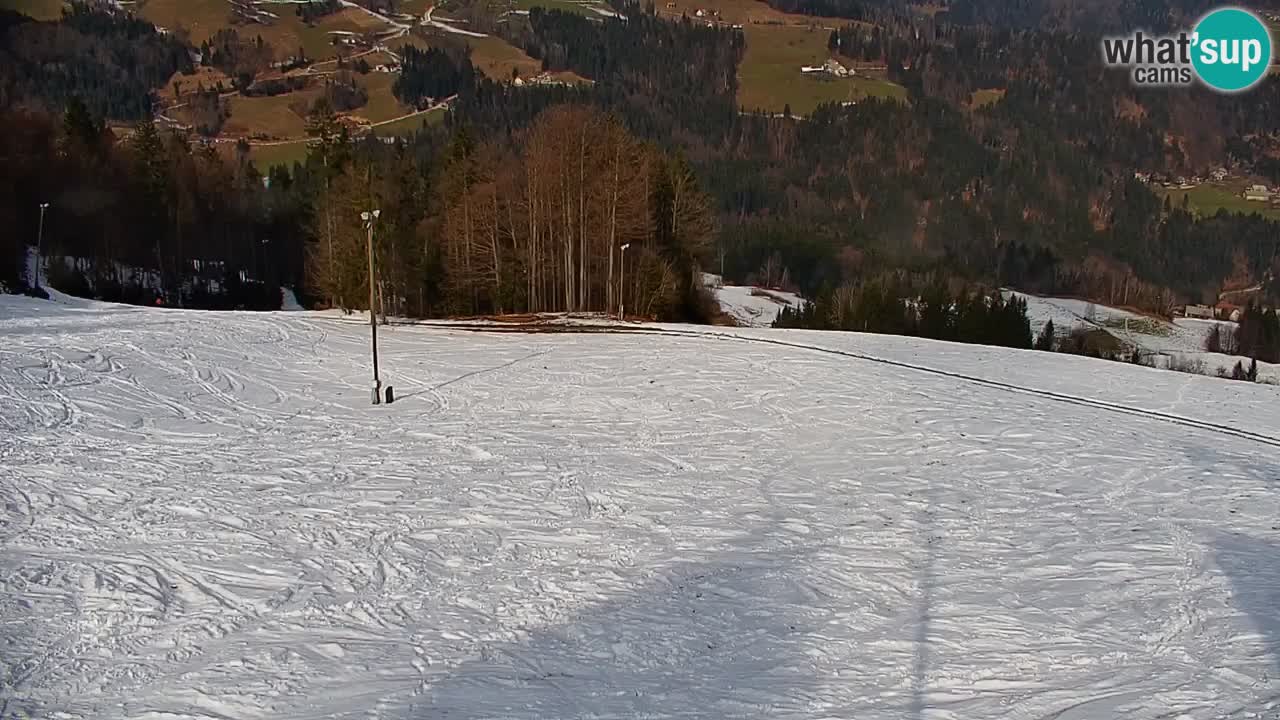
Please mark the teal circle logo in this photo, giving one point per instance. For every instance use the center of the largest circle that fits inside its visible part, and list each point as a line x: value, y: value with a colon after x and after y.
x: 1231, y: 49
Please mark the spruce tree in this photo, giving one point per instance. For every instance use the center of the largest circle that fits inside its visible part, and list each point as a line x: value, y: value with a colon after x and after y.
x: 1238, y: 372
x: 1045, y: 340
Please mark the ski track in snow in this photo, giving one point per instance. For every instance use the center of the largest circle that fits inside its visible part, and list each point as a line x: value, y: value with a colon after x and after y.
x: 201, y: 516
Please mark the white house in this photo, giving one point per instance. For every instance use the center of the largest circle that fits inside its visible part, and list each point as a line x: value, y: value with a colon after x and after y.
x: 1220, y: 174
x: 1257, y: 193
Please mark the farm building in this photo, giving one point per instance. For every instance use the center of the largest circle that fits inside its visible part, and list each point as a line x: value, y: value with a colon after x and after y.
x: 830, y: 67
x: 1257, y: 193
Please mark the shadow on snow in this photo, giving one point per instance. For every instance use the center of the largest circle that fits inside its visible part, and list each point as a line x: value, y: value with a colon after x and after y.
x: 715, y: 639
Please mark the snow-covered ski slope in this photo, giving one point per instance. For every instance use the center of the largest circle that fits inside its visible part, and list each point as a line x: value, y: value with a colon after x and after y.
x: 201, y: 516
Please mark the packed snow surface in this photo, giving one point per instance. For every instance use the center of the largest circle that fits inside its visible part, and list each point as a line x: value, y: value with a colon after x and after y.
x: 202, y: 516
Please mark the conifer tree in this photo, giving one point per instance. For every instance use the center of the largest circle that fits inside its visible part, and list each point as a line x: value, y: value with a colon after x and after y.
x: 1045, y: 340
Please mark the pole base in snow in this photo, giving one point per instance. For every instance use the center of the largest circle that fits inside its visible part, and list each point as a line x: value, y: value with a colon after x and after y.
x: 391, y: 397
x: 377, y: 398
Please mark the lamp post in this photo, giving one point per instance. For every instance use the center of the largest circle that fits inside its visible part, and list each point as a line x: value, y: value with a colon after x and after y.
x: 622, y: 282
x: 40, y: 243
x: 369, y: 219
x: 266, y: 260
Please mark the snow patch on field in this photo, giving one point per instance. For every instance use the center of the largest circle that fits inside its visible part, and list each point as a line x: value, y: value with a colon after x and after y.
x: 1181, y: 341
x: 289, y: 301
x: 751, y: 306
x: 202, y: 516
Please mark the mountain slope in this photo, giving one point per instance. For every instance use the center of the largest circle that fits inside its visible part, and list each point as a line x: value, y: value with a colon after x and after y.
x: 202, y: 516
x: 1178, y: 342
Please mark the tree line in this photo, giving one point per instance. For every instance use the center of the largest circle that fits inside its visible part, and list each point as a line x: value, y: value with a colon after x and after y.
x: 312, y: 10
x: 891, y: 305
x: 1256, y: 336
x: 575, y: 214
x: 431, y: 74
x: 147, y: 218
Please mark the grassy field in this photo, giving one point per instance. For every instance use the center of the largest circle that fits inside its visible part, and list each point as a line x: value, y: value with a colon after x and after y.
x: 290, y: 33
x: 382, y: 104
x: 744, y: 12
x: 286, y: 154
x: 410, y: 39
x: 38, y: 9
x: 203, y: 76
x: 769, y: 78
x: 202, y: 18
x: 270, y: 116
x: 1208, y: 199
x: 983, y: 98
x: 496, y: 58
x: 879, y: 88
x: 267, y: 156
x: 409, y: 125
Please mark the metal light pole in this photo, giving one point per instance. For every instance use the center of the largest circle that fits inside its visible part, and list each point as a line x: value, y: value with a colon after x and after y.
x: 40, y: 243
x: 622, y: 282
x: 369, y: 219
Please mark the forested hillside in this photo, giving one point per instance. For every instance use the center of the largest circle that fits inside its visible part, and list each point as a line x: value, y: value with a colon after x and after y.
x: 1058, y: 15
x: 1010, y: 161
x: 111, y: 61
